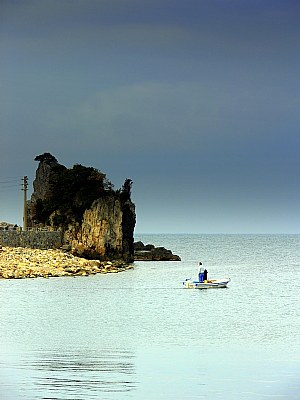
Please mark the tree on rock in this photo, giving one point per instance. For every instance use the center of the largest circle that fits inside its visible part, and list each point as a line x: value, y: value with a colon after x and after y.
x: 47, y: 157
x: 126, y: 189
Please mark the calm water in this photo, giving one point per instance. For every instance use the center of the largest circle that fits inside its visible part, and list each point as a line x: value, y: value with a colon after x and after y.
x: 140, y: 335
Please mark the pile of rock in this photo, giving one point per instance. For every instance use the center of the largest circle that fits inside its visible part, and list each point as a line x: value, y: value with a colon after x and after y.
x: 149, y: 252
x: 17, y: 262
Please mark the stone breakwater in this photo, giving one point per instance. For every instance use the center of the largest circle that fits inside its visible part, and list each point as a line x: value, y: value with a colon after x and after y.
x: 20, y: 262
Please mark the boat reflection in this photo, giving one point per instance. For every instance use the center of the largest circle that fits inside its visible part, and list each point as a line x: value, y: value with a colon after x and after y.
x: 81, y: 375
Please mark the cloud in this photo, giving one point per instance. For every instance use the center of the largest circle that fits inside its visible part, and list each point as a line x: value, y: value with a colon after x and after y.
x: 234, y: 29
x: 203, y: 95
x: 184, y: 114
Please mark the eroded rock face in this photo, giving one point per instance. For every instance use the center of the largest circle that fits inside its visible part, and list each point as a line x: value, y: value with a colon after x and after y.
x: 41, y: 184
x: 106, y: 231
x: 102, y: 226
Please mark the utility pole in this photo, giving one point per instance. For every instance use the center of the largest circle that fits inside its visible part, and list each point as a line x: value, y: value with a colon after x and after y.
x: 24, y: 188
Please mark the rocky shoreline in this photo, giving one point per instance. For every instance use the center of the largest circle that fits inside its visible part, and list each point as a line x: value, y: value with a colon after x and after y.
x: 20, y: 262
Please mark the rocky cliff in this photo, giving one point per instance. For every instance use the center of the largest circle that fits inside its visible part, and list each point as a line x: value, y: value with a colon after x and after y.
x: 97, y: 221
x: 41, y: 185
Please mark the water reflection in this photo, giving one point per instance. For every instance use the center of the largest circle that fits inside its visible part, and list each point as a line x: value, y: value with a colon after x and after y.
x: 81, y: 375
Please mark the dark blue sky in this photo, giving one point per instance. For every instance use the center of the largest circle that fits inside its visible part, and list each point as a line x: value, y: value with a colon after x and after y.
x: 196, y: 101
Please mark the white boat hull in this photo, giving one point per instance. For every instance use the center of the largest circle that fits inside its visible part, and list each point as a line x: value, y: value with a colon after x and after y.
x: 210, y: 284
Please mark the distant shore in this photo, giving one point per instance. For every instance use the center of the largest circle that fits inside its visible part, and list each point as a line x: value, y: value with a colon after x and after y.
x: 19, y: 262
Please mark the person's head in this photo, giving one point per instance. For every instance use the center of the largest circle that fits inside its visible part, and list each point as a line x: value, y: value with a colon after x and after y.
x: 200, y: 263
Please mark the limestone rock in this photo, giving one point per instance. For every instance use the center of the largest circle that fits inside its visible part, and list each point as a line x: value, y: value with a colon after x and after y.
x: 41, y: 184
x: 17, y: 263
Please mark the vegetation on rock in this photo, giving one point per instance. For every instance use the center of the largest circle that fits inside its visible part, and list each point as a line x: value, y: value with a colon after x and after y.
x: 47, y: 157
x: 72, y: 191
x: 96, y: 220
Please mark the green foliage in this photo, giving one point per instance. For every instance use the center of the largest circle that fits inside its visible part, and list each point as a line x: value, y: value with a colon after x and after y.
x: 72, y: 192
x: 45, y: 157
x: 126, y: 189
x: 41, y: 212
x: 59, y: 220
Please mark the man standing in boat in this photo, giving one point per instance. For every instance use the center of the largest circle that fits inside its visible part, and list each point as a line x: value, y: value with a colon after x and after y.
x: 202, y: 276
x: 200, y: 272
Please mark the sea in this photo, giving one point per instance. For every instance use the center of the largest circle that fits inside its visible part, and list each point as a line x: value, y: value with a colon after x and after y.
x: 139, y: 334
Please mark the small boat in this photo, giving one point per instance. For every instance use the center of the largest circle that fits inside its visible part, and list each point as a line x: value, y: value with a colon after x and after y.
x: 207, y: 284
x: 202, y: 283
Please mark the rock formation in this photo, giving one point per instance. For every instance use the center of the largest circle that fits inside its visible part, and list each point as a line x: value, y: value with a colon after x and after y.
x: 97, y: 222
x: 41, y: 185
x: 151, y: 253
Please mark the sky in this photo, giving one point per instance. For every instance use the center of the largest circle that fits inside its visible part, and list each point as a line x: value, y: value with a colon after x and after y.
x: 197, y: 101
